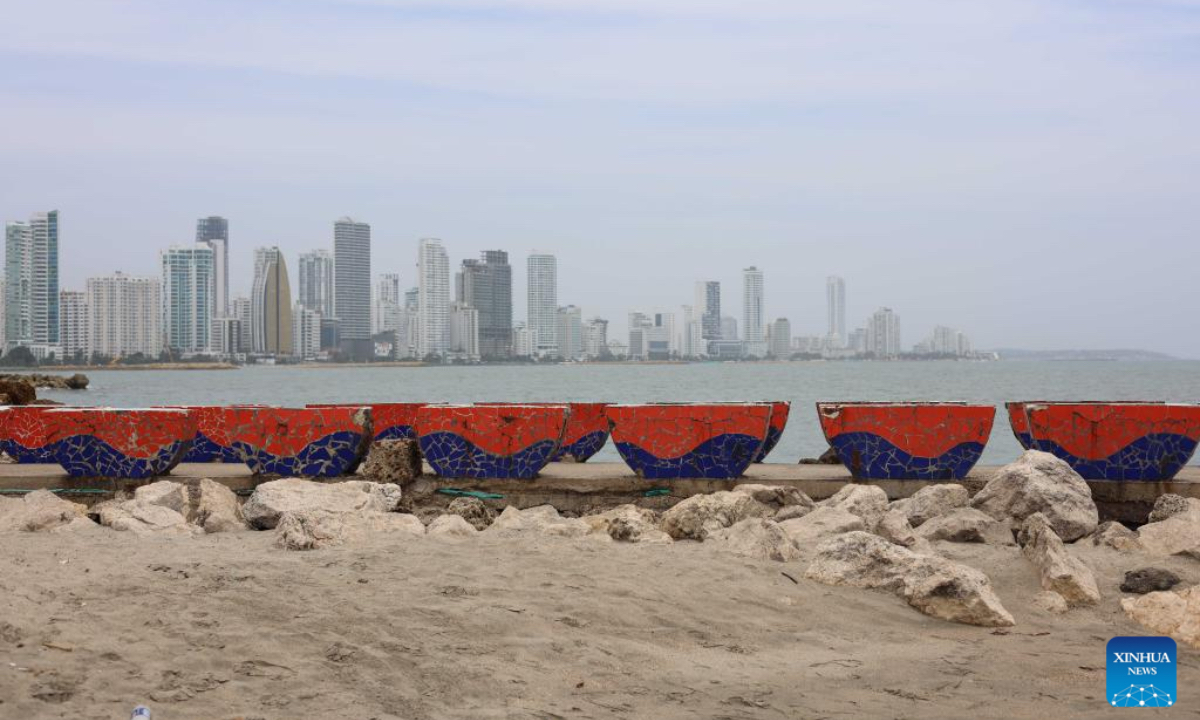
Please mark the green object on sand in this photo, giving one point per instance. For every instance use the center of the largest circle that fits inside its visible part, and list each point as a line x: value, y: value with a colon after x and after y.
x: 656, y: 492
x: 469, y: 493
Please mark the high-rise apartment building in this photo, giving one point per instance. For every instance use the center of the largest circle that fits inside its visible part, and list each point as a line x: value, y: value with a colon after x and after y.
x: 271, y: 298
x: 707, y: 312
x: 433, y: 299
x: 780, y: 338
x: 753, y: 318
x: 187, y: 289
x: 241, y: 308
x: 570, y: 332
x: 214, y: 230
x: 883, y: 333
x: 543, y: 303
x: 352, y: 286
x: 729, y: 328
x: 595, y: 338
x: 73, y: 325
x: 486, y: 285
x: 306, y: 332
x: 835, y: 305
x: 315, y: 282
x: 31, y: 281
x: 522, y: 340
x: 464, y: 333
x: 386, y: 304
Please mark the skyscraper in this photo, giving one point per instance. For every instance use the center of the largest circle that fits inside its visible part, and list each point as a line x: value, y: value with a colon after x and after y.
x: 31, y: 281
x: 543, y: 304
x: 883, y: 333
x: 752, y: 312
x: 464, y: 332
x: 315, y: 276
x: 124, y: 316
x: 352, y: 286
x: 386, y: 305
x: 595, y: 338
x: 708, y: 309
x: 570, y: 332
x: 781, y: 338
x: 835, y: 303
x: 433, y: 299
x: 187, y: 288
x: 271, y: 298
x: 306, y: 332
x: 214, y: 230
x: 486, y: 285
x: 73, y: 325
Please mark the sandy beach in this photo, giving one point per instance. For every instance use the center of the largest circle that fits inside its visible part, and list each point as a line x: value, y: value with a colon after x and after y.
x: 93, y: 622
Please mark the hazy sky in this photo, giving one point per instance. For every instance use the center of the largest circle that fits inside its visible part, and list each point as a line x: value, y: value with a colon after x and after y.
x: 1024, y: 170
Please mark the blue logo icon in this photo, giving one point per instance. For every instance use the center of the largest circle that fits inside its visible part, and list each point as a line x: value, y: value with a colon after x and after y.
x: 1141, y: 672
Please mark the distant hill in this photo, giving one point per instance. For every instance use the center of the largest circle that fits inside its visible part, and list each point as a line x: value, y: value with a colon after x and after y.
x: 1098, y: 355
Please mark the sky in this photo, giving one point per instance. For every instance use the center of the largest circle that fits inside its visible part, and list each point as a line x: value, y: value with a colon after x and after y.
x: 1023, y: 170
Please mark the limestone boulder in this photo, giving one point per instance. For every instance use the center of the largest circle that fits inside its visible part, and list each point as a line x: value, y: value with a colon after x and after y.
x: 214, y: 507
x: 272, y: 499
x: 1051, y: 602
x: 894, y: 527
x: 1169, y: 505
x: 932, y: 501
x: 966, y: 525
x: 695, y: 517
x: 42, y: 511
x: 819, y: 524
x: 473, y: 510
x: 933, y: 585
x: 450, y: 526
x: 868, y: 502
x: 1058, y: 569
x: 143, y: 518
x: 791, y: 512
x: 777, y: 496
x: 540, y: 520
x: 1116, y: 536
x: 1178, y: 533
x: 312, y: 529
x: 1038, y: 482
x: 628, y: 523
x: 1173, y: 613
x: 204, y: 503
x: 756, y: 538
x: 393, y: 461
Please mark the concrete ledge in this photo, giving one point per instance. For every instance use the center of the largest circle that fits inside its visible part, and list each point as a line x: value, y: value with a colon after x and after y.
x: 582, y: 487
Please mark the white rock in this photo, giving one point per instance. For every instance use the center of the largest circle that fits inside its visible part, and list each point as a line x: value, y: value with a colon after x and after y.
x: 628, y: 523
x: 934, y: 585
x: 934, y: 500
x: 894, y: 527
x: 777, y: 496
x: 164, y: 493
x: 1058, y: 569
x: 820, y: 524
x: 869, y: 502
x: 315, y: 529
x: 695, y: 517
x: 1050, y: 602
x: 1116, y: 536
x: 42, y: 511
x: 966, y: 524
x: 1040, y: 482
x: 791, y: 512
x: 451, y: 526
x: 143, y: 519
x: 270, y: 500
x: 757, y: 538
x: 214, y: 507
x: 1173, y: 613
x: 543, y: 519
x: 1178, y: 533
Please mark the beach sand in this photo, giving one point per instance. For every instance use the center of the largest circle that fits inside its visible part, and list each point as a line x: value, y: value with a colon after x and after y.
x: 228, y: 626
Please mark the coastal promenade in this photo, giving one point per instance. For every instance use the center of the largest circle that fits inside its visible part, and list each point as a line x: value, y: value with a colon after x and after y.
x: 579, y: 488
